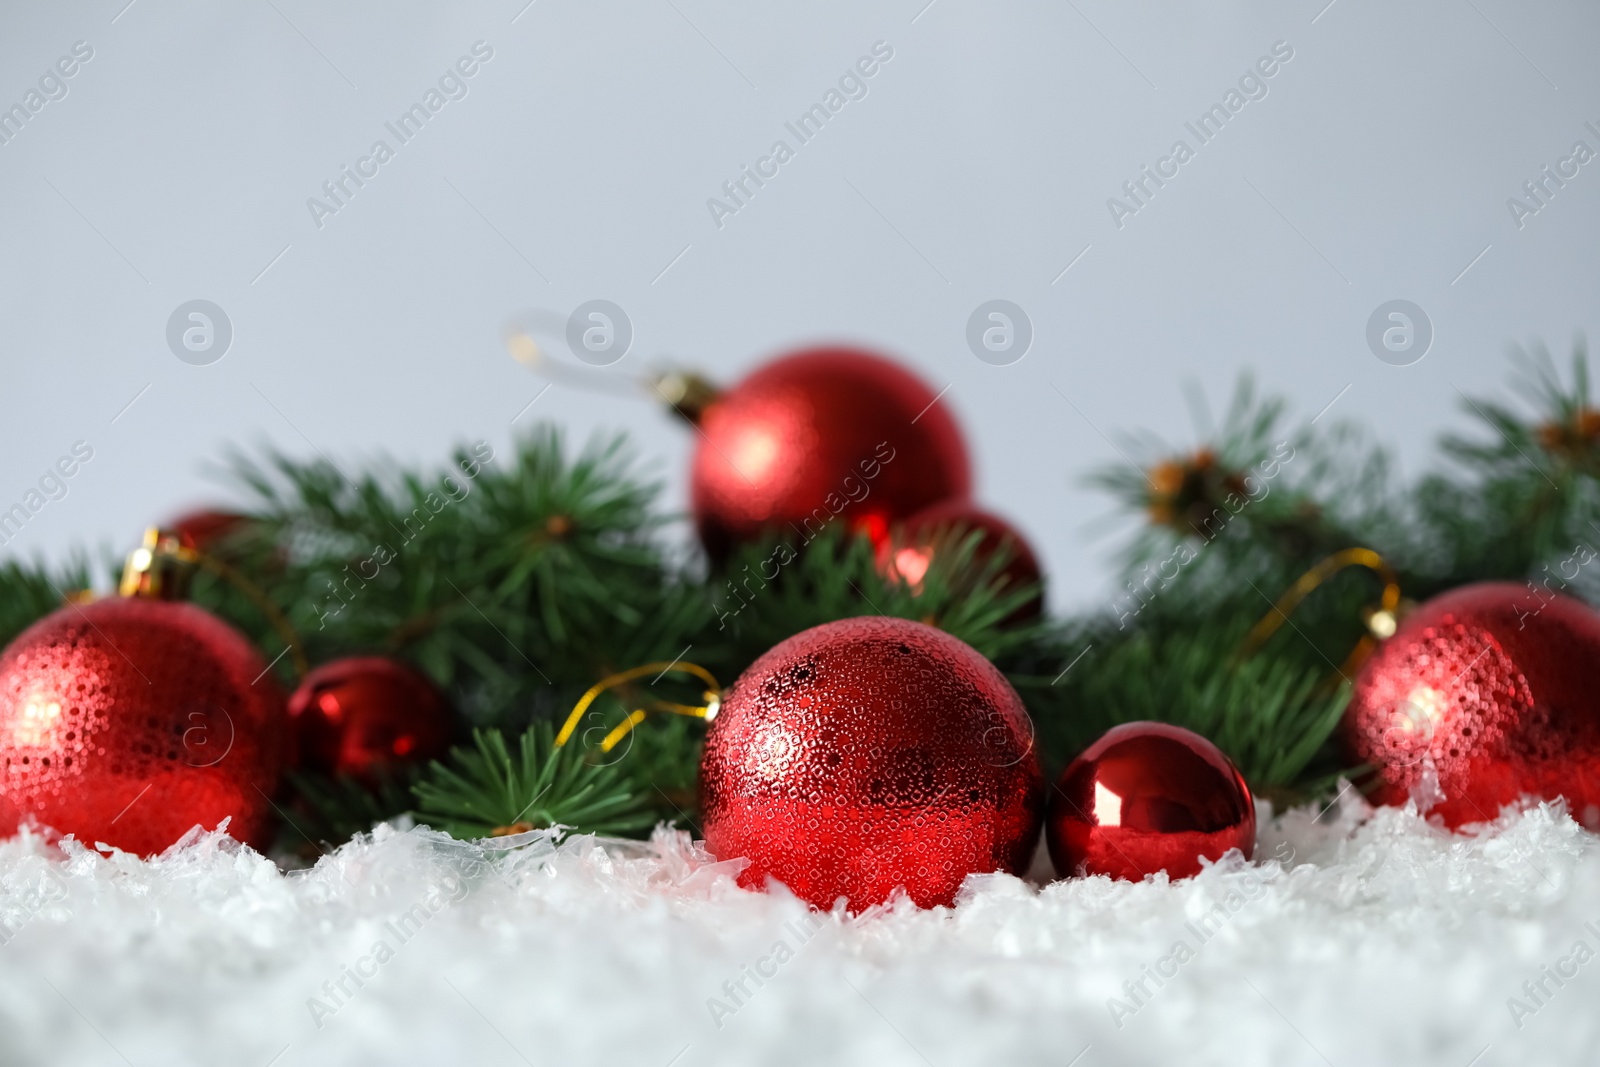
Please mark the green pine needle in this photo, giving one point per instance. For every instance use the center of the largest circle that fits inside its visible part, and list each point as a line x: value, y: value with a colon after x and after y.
x: 486, y: 791
x: 1272, y: 714
x: 30, y: 591
x: 335, y: 809
x: 1533, y: 488
x: 773, y: 590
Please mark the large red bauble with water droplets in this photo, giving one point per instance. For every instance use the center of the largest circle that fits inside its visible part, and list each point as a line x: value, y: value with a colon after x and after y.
x: 870, y: 754
x: 1147, y: 797
x: 1484, y: 695
x: 822, y: 434
x: 129, y: 721
x: 363, y: 715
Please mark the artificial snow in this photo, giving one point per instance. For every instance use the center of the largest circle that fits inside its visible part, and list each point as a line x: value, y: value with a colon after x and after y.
x: 1358, y: 937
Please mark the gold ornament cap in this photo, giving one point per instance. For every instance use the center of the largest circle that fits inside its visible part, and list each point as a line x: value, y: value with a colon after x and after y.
x: 688, y: 394
x: 159, y: 569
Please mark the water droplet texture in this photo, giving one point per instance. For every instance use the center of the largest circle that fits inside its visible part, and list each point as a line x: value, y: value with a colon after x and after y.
x: 129, y: 721
x: 869, y: 754
x: 1492, y: 692
x: 1148, y: 797
x: 823, y: 432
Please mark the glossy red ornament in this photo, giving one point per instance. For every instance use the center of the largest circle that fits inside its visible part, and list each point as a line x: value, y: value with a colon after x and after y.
x: 201, y: 530
x: 360, y: 715
x: 1485, y: 694
x: 868, y: 754
x: 822, y: 434
x: 910, y: 551
x: 1147, y: 797
x: 128, y: 721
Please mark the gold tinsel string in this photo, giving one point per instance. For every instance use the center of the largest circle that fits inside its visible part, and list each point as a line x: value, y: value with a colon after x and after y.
x: 1381, y: 622
x: 707, y: 711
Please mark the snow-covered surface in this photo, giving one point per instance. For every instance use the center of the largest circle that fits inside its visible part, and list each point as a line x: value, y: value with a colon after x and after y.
x: 1365, y: 937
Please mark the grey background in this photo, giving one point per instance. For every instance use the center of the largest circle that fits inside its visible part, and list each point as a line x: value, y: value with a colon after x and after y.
x: 579, y: 164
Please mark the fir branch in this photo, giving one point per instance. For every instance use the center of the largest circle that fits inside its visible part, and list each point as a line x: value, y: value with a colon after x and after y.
x: 774, y: 590
x: 1261, y: 498
x: 1533, y: 487
x: 1564, y: 433
x: 1273, y: 714
x: 663, y: 755
x: 484, y: 791
x: 28, y: 592
x: 335, y: 809
x: 513, y: 584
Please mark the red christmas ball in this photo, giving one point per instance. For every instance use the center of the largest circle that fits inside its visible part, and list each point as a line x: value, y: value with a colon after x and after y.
x: 909, y: 552
x: 1147, y: 797
x: 361, y: 715
x: 201, y: 530
x: 1484, y: 695
x: 869, y: 754
x: 825, y: 433
x: 129, y: 721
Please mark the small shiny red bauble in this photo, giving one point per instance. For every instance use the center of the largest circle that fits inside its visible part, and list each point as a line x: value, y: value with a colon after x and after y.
x: 869, y: 754
x: 128, y: 721
x: 1485, y: 694
x: 201, y: 530
x: 1147, y: 797
x: 909, y: 553
x: 822, y: 434
x: 361, y: 715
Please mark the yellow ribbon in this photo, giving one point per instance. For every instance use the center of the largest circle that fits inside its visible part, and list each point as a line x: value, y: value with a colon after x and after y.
x: 707, y: 711
x: 1381, y: 623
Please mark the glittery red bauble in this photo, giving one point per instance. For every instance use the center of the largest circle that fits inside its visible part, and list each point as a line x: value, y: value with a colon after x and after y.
x: 822, y: 434
x: 360, y: 715
x: 867, y: 754
x: 129, y: 721
x: 1147, y: 797
x: 909, y: 552
x: 1485, y: 694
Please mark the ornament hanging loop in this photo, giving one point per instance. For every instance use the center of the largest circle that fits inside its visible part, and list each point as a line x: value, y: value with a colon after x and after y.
x: 1381, y: 621
x: 708, y: 711
x: 683, y: 392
